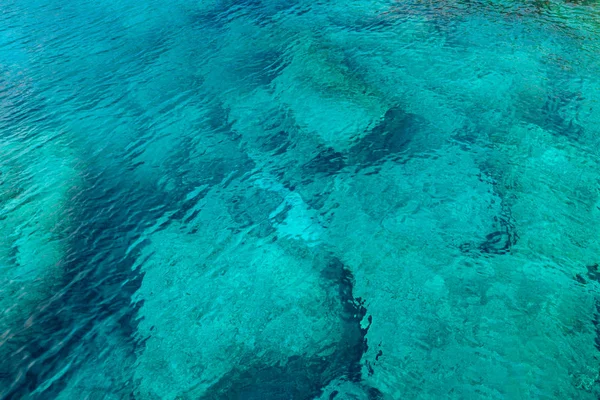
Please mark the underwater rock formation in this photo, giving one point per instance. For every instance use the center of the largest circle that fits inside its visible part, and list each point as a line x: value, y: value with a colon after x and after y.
x: 93, y: 307
x: 323, y: 86
x: 36, y: 189
x: 300, y: 199
x: 421, y: 329
x: 388, y: 140
x: 306, y: 376
x: 259, y: 264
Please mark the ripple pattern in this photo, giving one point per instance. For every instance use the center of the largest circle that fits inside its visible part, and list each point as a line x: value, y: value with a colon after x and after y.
x: 274, y: 200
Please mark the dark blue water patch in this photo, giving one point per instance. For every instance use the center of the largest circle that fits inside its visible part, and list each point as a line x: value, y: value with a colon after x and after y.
x: 369, y: 393
x: 98, y: 283
x: 388, y: 138
x: 263, y: 13
x: 339, y: 277
x: 276, y: 143
x: 591, y: 276
x: 326, y: 162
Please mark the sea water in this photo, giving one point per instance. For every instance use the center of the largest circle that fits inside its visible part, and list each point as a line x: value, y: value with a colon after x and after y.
x: 219, y: 199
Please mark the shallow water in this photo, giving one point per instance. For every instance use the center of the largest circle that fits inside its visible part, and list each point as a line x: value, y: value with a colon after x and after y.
x: 299, y: 200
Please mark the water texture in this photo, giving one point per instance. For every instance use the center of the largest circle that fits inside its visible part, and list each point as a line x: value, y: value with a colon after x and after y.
x: 220, y: 199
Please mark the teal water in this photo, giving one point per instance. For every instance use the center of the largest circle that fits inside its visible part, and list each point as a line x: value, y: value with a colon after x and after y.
x: 266, y: 199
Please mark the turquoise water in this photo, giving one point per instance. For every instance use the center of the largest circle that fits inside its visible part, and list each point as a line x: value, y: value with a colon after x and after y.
x: 299, y: 199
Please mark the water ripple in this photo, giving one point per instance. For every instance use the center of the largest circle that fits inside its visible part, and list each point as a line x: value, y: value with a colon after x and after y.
x: 299, y: 199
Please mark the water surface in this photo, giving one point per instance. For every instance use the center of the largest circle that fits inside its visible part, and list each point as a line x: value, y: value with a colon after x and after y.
x: 299, y: 199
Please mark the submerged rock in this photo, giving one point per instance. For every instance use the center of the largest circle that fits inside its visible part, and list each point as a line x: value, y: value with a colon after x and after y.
x: 306, y: 376
x: 34, y: 224
x: 228, y: 313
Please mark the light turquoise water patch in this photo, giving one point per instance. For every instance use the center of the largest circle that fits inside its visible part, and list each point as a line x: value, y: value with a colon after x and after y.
x: 299, y: 200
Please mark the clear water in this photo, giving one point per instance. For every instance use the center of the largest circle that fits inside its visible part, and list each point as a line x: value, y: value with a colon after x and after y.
x: 265, y: 199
